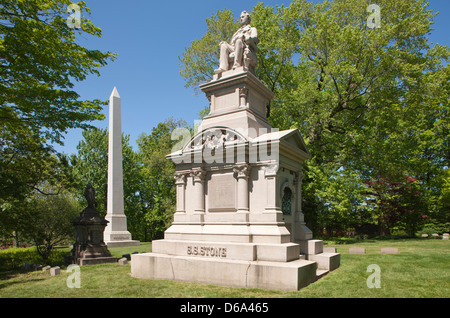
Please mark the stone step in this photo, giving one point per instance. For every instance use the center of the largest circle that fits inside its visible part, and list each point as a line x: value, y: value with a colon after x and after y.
x: 321, y: 272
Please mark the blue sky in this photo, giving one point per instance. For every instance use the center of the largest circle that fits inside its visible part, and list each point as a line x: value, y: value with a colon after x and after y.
x: 149, y: 37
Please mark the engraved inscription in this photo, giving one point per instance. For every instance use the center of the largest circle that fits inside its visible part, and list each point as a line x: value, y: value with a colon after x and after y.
x: 207, y: 251
x: 221, y: 193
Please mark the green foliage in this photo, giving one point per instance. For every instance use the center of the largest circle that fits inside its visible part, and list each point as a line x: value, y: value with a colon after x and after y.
x: 46, y: 220
x: 13, y: 258
x: 435, y: 227
x: 40, y: 60
x: 198, y: 60
x: 159, y: 184
x: 90, y: 165
x: 22, y: 210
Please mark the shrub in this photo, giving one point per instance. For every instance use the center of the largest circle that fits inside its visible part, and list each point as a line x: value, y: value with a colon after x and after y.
x: 435, y: 227
x: 13, y: 258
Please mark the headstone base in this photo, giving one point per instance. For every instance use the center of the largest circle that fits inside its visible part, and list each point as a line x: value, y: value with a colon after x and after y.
x: 119, y: 239
x: 97, y: 260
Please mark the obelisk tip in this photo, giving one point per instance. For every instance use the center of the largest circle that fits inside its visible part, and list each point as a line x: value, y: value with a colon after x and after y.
x: 115, y: 93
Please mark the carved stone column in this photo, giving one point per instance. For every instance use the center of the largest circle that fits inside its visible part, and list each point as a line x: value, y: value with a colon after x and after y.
x: 242, y: 172
x: 272, y: 191
x: 180, y: 182
x: 199, y: 190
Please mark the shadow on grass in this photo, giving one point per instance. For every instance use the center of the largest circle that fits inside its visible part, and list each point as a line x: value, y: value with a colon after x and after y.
x: 7, y: 276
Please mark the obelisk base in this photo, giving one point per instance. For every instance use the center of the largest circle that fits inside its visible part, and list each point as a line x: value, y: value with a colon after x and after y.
x: 116, y: 234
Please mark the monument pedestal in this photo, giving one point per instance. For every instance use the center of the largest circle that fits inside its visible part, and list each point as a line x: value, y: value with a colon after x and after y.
x: 287, y: 276
x: 239, y: 181
x: 90, y: 247
x: 116, y: 235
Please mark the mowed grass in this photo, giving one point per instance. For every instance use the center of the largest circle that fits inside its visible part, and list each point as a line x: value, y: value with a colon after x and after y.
x: 420, y: 270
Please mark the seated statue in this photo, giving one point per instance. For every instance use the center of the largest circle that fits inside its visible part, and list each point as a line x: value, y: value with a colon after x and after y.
x: 241, y: 51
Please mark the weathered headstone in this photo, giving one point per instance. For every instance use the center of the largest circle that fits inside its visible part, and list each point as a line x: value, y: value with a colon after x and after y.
x: 445, y: 236
x: 123, y: 261
x: 424, y: 235
x: 55, y: 271
x: 389, y: 250
x: 46, y: 268
x: 357, y: 250
x: 329, y: 249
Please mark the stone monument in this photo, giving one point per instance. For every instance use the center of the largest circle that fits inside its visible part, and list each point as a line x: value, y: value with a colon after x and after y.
x: 89, y: 247
x: 116, y: 233
x: 239, y: 219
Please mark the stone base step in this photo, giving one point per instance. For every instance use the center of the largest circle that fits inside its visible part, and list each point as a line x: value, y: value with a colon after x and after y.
x: 321, y: 272
x: 287, y: 276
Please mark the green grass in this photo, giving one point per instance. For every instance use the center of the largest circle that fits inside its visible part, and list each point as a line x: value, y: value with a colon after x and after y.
x: 420, y: 270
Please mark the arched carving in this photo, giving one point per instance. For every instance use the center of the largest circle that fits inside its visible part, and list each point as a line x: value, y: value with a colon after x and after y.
x: 214, y: 138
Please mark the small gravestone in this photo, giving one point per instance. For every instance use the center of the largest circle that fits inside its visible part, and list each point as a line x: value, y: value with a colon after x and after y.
x: 357, y: 250
x: 389, y: 250
x: 123, y: 261
x: 435, y: 235
x: 55, y: 271
x: 329, y: 249
x: 46, y: 268
x: 445, y: 236
x: 424, y: 235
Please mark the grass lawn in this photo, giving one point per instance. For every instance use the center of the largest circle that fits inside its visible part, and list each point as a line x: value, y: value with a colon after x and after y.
x: 420, y: 270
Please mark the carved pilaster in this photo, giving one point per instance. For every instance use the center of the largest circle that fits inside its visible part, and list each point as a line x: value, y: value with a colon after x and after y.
x: 242, y: 172
x: 243, y: 95
x: 180, y: 181
x: 198, y: 176
x: 272, y: 188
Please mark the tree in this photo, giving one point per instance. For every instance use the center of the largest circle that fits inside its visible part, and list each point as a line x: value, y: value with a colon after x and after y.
x: 47, y: 202
x: 90, y: 165
x: 370, y: 102
x: 49, y: 219
x: 158, y: 191
x: 40, y: 61
x: 198, y: 60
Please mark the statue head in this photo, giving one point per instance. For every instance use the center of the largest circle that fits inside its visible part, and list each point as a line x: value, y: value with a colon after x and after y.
x: 244, y: 19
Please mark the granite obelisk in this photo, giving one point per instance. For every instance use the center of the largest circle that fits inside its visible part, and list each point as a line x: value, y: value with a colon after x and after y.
x: 116, y: 233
